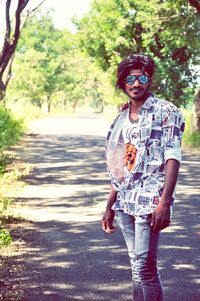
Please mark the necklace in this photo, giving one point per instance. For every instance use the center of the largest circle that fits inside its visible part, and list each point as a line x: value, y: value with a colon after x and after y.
x: 133, y: 115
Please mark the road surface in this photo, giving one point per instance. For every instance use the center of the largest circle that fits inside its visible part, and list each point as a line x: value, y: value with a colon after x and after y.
x: 66, y: 256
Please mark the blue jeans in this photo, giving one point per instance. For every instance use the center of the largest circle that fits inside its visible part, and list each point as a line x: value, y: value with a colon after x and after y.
x: 142, y: 244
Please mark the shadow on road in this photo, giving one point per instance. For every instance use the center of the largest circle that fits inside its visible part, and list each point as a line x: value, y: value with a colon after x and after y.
x: 67, y: 256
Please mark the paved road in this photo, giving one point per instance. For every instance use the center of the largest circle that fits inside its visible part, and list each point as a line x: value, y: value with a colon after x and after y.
x: 67, y: 256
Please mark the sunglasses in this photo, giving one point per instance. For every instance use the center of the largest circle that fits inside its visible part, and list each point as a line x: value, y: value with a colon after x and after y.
x: 143, y: 79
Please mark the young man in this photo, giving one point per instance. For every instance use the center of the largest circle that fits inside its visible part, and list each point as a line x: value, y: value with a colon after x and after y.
x: 143, y: 156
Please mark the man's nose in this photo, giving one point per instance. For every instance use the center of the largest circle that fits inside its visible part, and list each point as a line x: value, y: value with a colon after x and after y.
x: 136, y: 83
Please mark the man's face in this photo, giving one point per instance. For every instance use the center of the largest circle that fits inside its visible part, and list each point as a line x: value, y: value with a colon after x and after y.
x: 137, y: 90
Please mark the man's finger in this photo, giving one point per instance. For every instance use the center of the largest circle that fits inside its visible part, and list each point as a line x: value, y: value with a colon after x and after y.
x: 156, y: 223
x: 103, y: 225
x: 109, y: 231
x: 152, y: 219
x: 107, y: 227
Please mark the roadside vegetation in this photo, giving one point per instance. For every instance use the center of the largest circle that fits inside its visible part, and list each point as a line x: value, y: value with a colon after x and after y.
x: 191, y: 138
x: 11, y: 130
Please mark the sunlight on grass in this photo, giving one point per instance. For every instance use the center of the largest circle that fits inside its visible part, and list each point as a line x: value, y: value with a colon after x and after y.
x: 190, y: 139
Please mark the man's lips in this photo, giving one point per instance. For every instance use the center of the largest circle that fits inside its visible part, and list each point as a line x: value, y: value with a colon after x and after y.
x: 136, y: 89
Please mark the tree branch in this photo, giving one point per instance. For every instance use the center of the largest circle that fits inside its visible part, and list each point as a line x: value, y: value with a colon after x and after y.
x: 29, y: 12
x: 7, y: 34
x: 9, y: 45
x: 21, y: 6
x: 34, y: 9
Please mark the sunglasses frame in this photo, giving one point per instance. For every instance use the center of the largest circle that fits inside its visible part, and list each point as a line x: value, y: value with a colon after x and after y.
x: 137, y: 77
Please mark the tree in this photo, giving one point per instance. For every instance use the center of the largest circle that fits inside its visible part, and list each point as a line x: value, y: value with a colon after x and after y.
x: 27, y: 78
x: 83, y: 82
x: 11, y: 37
x: 166, y: 30
x: 47, y: 46
x: 50, y: 68
x: 196, y: 112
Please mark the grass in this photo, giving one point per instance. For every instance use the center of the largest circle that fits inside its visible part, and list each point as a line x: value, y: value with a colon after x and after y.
x: 190, y: 139
x: 10, y: 185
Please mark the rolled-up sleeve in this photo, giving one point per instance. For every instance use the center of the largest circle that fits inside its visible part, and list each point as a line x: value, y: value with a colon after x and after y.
x: 173, y: 126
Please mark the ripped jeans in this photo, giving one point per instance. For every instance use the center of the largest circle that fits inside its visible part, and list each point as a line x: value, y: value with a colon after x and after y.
x: 142, y: 244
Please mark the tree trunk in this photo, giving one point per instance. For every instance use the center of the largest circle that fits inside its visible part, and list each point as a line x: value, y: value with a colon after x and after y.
x: 64, y: 101
x: 10, y: 40
x: 49, y: 104
x: 196, y: 112
x: 74, y: 105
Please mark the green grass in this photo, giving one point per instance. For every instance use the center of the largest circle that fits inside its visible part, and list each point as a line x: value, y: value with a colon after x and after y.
x: 190, y: 139
x: 11, y: 130
x: 23, y: 110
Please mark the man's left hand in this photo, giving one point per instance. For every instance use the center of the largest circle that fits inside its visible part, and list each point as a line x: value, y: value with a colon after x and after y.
x: 123, y: 107
x: 161, y: 217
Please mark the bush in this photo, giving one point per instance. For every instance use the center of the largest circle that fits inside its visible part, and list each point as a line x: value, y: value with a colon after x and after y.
x: 10, y: 132
x: 190, y: 138
x: 10, y: 129
x: 5, y: 237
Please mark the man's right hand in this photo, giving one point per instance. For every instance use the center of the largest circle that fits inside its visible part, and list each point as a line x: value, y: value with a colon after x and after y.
x: 107, y: 221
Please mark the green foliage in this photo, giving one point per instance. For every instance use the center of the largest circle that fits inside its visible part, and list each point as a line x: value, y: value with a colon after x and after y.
x: 190, y: 138
x: 4, y: 161
x: 10, y: 129
x: 166, y: 30
x: 51, y: 70
x: 39, y: 60
x: 10, y: 132
x: 52, y: 66
x: 5, y: 237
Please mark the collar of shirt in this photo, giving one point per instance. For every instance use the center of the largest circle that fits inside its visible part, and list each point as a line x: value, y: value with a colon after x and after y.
x: 148, y: 102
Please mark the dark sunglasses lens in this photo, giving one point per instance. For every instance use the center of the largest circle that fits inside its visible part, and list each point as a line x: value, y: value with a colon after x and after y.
x: 143, y: 79
x: 130, y: 79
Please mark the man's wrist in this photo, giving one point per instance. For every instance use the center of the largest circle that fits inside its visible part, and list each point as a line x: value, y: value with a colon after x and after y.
x: 166, y: 200
x: 109, y: 205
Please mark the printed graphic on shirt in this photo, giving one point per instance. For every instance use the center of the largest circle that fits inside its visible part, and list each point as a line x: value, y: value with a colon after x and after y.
x: 130, y: 156
x: 132, y: 133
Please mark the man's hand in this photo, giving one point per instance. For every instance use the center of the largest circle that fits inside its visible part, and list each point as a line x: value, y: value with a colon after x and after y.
x: 161, y: 216
x: 123, y: 107
x: 107, y: 221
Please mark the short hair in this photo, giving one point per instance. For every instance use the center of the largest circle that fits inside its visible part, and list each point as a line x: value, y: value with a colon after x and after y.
x: 134, y: 61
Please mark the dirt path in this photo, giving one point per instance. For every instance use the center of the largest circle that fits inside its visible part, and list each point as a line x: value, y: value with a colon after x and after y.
x: 63, y: 254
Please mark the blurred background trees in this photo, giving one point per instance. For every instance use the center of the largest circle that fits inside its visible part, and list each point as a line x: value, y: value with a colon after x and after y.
x: 12, y: 25
x: 166, y: 30
x: 56, y: 70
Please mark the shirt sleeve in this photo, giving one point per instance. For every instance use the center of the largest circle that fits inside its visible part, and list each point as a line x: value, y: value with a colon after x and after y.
x: 173, y: 126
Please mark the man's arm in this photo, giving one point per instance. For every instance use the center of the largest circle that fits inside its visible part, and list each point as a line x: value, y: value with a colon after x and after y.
x: 108, y: 217
x: 161, y: 215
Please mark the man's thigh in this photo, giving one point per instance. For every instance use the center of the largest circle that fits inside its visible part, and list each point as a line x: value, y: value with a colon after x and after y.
x: 146, y: 239
x: 126, y: 223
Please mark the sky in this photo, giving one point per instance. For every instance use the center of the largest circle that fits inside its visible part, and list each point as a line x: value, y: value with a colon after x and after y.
x: 65, y: 9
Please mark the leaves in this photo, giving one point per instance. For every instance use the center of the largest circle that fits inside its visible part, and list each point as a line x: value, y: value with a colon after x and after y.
x: 166, y: 30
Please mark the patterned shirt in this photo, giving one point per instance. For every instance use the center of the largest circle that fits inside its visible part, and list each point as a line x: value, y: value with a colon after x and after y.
x: 136, y: 153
